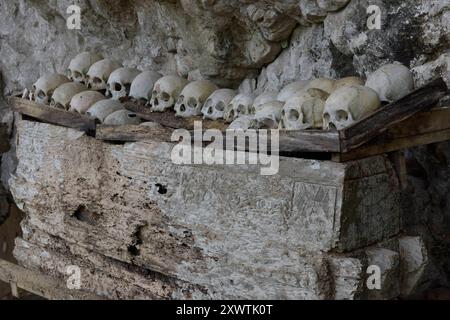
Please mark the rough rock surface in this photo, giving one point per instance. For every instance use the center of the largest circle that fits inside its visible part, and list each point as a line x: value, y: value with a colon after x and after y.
x: 259, y: 45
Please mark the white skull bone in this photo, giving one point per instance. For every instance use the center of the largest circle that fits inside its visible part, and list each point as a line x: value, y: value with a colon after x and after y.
x: 119, y: 82
x: 79, y: 66
x: 348, y: 81
x: 238, y: 106
x: 262, y: 99
x: 216, y: 103
x: 122, y: 117
x: 44, y: 87
x: 64, y: 93
x: 348, y: 105
x: 392, y: 82
x: 268, y: 115
x: 304, y: 110
x: 82, y: 101
x: 291, y: 89
x: 103, y: 108
x: 192, y: 98
x: 99, y: 72
x: 165, y: 92
x: 142, y: 86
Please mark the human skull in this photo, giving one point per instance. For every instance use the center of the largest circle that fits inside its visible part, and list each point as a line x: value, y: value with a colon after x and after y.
x: 165, y: 92
x: 103, y: 108
x: 122, y: 117
x: 244, y: 122
x: 348, y: 105
x: 142, y: 86
x: 119, y: 82
x: 216, y: 103
x: 43, y: 89
x: 238, y: 106
x: 392, y: 82
x: 82, y: 101
x: 64, y: 93
x: 268, y: 115
x: 304, y: 110
x: 291, y: 89
x: 193, y: 97
x: 262, y: 99
x: 348, y: 81
x: 79, y: 66
x: 99, y: 72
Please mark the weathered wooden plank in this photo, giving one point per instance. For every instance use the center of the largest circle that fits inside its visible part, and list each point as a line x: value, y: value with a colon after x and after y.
x: 40, y: 284
x: 132, y: 133
x: 168, y: 118
x: 378, y: 122
x: 52, y: 115
x: 383, y: 145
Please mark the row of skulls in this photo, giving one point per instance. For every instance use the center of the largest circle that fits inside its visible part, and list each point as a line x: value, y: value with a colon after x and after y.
x: 311, y: 104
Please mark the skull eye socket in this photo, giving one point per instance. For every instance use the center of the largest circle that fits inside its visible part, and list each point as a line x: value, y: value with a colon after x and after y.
x: 165, y: 96
x: 220, y: 106
x: 116, y: 86
x: 41, y: 94
x: 293, y: 115
x: 180, y: 99
x: 342, y: 115
x: 77, y: 75
x: 240, y: 109
x: 96, y: 80
x: 192, y: 103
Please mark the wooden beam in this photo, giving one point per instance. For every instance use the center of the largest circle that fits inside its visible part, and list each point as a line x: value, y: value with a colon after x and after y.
x: 378, y: 122
x: 39, y: 284
x: 52, y: 115
x: 389, y: 145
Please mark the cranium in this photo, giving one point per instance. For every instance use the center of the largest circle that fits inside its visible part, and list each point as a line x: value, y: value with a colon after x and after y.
x: 348, y: 105
x: 99, y: 72
x: 45, y: 86
x: 262, y: 99
x: 142, y: 86
x: 64, y: 93
x: 304, y: 110
x: 216, y: 103
x: 193, y: 97
x: 165, y: 92
x: 392, y: 82
x: 348, y: 81
x: 119, y: 82
x: 80, y: 65
x: 82, y: 101
x: 291, y: 89
x: 244, y: 122
x: 238, y: 106
x: 268, y: 115
x: 103, y: 108
x: 122, y: 117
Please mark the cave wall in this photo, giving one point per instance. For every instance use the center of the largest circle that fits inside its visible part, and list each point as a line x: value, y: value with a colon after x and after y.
x: 253, y: 45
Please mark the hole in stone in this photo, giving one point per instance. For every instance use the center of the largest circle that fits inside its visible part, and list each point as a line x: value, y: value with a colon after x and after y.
x: 84, y: 215
x: 133, y: 248
x: 161, y: 189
